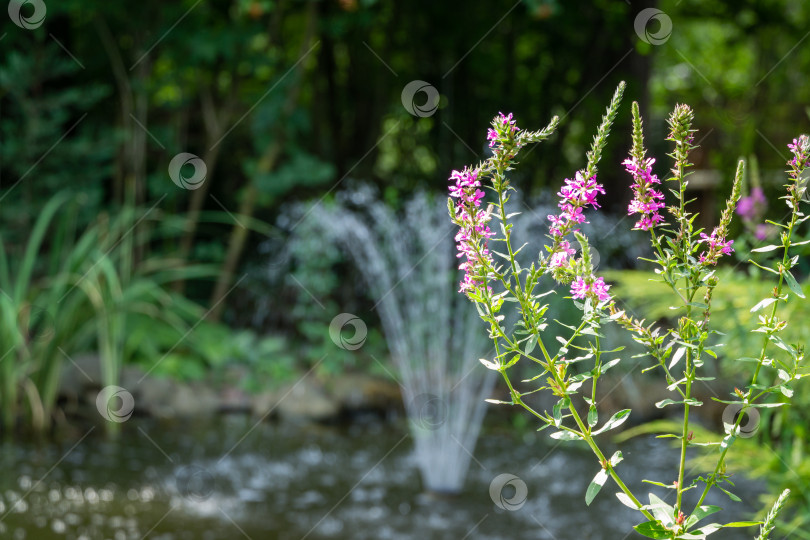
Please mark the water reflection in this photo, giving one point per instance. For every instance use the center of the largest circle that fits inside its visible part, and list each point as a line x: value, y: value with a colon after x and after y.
x: 210, y: 481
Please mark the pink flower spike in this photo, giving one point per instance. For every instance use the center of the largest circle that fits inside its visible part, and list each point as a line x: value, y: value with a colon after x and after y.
x: 646, y: 200
x: 492, y: 137
x: 558, y: 260
x: 717, y: 244
x: 600, y: 289
x: 579, y: 288
x: 473, y: 233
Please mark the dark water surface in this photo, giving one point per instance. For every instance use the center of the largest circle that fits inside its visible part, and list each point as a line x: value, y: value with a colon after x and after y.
x: 231, y: 478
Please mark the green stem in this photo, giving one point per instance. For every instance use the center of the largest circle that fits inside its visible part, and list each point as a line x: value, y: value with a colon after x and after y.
x: 585, y: 434
x: 721, y: 460
x: 684, y: 434
x: 597, y: 370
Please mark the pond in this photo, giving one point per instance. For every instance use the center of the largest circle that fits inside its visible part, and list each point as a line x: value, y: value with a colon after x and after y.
x: 231, y: 477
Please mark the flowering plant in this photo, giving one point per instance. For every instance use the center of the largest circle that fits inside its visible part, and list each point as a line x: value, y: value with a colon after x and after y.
x: 685, y: 258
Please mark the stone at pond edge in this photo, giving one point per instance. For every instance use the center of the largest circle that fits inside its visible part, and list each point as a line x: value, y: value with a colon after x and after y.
x: 81, y: 381
x: 165, y: 398
x: 360, y: 392
x: 308, y: 398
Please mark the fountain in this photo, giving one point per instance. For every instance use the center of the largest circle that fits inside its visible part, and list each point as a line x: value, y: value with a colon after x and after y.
x: 408, y: 263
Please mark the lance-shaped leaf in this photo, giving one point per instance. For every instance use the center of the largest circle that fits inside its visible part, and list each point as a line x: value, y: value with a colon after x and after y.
x: 595, y: 486
x: 766, y: 249
x: 793, y: 284
x: 653, y: 529
x: 763, y: 304
x: 700, y: 513
x: 615, y: 421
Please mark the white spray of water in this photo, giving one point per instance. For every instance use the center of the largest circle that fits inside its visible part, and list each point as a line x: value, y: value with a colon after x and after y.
x: 433, y: 333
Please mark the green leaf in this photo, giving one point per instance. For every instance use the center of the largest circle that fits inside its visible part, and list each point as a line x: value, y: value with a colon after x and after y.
x: 762, y: 304
x: 766, y: 405
x: 565, y: 436
x: 661, y: 510
x: 616, y: 458
x: 677, y: 356
x: 557, y: 410
x: 700, y: 513
x: 593, y: 416
x: 710, y: 528
x: 743, y: 524
x: 615, y: 421
x: 767, y: 269
x: 606, y: 366
x: 793, y: 284
x: 530, y: 344
x: 664, y: 402
x: 730, y: 494
x: 653, y: 529
x: 595, y: 486
x: 766, y: 249
x: 659, y: 484
x: 779, y: 342
x: 625, y: 500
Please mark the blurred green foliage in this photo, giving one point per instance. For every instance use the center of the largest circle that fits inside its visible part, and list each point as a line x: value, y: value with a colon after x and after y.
x: 290, y: 100
x: 71, y: 291
x: 781, y: 458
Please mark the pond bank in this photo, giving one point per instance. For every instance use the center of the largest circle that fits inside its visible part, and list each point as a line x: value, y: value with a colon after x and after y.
x: 336, y: 398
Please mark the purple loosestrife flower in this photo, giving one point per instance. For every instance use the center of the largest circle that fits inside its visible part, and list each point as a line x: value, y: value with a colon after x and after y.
x: 505, y: 128
x: 492, y: 137
x: 576, y: 194
x: 597, y: 288
x: 718, y: 245
x: 751, y: 208
x: 580, y: 191
x: 646, y: 200
x: 560, y: 258
x: 801, y: 154
x: 600, y: 289
x: 797, y: 190
x: 471, y: 239
x: 763, y: 231
x: 801, y: 151
x: 579, y: 288
x: 798, y: 163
